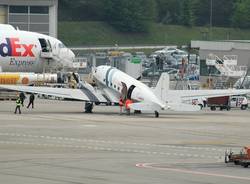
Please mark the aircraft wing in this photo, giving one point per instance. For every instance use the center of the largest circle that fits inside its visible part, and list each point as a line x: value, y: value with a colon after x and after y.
x: 83, y: 94
x: 190, y: 94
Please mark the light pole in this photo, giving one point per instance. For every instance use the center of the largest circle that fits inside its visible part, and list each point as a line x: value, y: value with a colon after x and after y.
x: 211, y: 18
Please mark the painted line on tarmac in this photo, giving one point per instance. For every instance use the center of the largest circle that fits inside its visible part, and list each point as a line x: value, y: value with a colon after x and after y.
x: 63, y: 145
x: 110, y: 142
x: 150, y: 166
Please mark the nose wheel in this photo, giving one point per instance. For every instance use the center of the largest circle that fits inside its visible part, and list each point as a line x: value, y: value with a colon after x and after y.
x: 156, y: 114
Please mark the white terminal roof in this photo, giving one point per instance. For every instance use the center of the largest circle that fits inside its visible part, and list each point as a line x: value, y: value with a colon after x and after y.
x: 222, y: 45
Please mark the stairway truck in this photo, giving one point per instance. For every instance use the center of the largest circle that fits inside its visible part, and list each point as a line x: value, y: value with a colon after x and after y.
x: 219, y: 102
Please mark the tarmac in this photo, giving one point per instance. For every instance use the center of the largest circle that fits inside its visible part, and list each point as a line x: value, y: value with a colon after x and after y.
x: 56, y: 143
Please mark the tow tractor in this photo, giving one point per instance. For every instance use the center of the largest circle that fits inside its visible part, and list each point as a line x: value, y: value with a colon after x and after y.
x: 243, y: 158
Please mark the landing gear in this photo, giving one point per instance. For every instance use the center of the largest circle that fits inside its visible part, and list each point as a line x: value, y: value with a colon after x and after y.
x: 213, y: 108
x: 156, y: 114
x: 88, y: 107
x: 137, y: 112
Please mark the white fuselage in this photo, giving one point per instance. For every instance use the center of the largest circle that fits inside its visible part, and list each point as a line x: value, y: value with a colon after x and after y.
x: 118, y: 80
x: 20, y: 51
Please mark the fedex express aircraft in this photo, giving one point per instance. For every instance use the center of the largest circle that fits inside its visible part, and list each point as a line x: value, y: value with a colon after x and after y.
x: 23, y: 51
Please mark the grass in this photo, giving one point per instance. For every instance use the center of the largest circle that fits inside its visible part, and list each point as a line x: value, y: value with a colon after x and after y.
x: 90, y: 33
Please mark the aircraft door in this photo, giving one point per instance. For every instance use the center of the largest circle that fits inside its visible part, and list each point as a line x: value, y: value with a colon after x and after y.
x: 45, y: 45
x: 130, y: 90
x: 124, y: 91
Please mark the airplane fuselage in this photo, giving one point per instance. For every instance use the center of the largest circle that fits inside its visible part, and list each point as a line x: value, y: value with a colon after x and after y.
x: 125, y: 85
x: 20, y: 51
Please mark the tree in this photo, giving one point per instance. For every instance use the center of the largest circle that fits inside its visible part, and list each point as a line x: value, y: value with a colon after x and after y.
x: 187, y: 12
x: 168, y: 11
x: 222, y: 12
x: 202, y: 12
x: 79, y: 10
x: 241, y: 16
x: 130, y: 15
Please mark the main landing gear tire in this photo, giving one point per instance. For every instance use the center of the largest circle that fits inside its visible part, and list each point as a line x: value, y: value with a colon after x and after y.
x: 156, y: 114
x: 88, y: 107
x: 243, y: 107
x: 245, y: 165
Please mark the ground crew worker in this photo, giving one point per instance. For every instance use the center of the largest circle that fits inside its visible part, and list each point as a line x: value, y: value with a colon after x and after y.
x: 18, y: 105
x: 31, y: 102
x: 121, y: 105
x: 127, y: 105
x: 22, y: 97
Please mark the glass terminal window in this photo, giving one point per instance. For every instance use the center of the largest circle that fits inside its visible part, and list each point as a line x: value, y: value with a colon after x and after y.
x: 18, y: 9
x: 39, y: 9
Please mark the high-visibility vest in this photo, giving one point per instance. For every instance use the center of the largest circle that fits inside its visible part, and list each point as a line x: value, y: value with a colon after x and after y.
x: 18, y: 102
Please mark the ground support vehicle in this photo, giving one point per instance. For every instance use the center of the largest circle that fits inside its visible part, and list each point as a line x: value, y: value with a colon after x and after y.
x: 227, y: 102
x: 243, y: 158
x: 219, y: 102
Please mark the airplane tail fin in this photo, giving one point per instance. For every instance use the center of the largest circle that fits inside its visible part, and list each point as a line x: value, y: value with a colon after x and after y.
x: 162, y: 86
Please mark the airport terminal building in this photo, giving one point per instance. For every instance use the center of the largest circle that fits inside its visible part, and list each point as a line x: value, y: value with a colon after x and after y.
x: 31, y: 15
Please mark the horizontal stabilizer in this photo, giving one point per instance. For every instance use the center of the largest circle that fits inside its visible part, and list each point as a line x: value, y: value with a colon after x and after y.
x: 144, y: 106
x: 183, y: 107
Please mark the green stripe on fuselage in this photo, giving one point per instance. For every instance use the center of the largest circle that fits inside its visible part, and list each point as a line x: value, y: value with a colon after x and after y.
x: 107, y: 76
x: 112, y: 74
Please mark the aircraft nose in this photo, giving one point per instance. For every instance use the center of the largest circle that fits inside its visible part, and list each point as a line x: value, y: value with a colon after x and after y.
x: 67, y: 57
x: 71, y: 55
